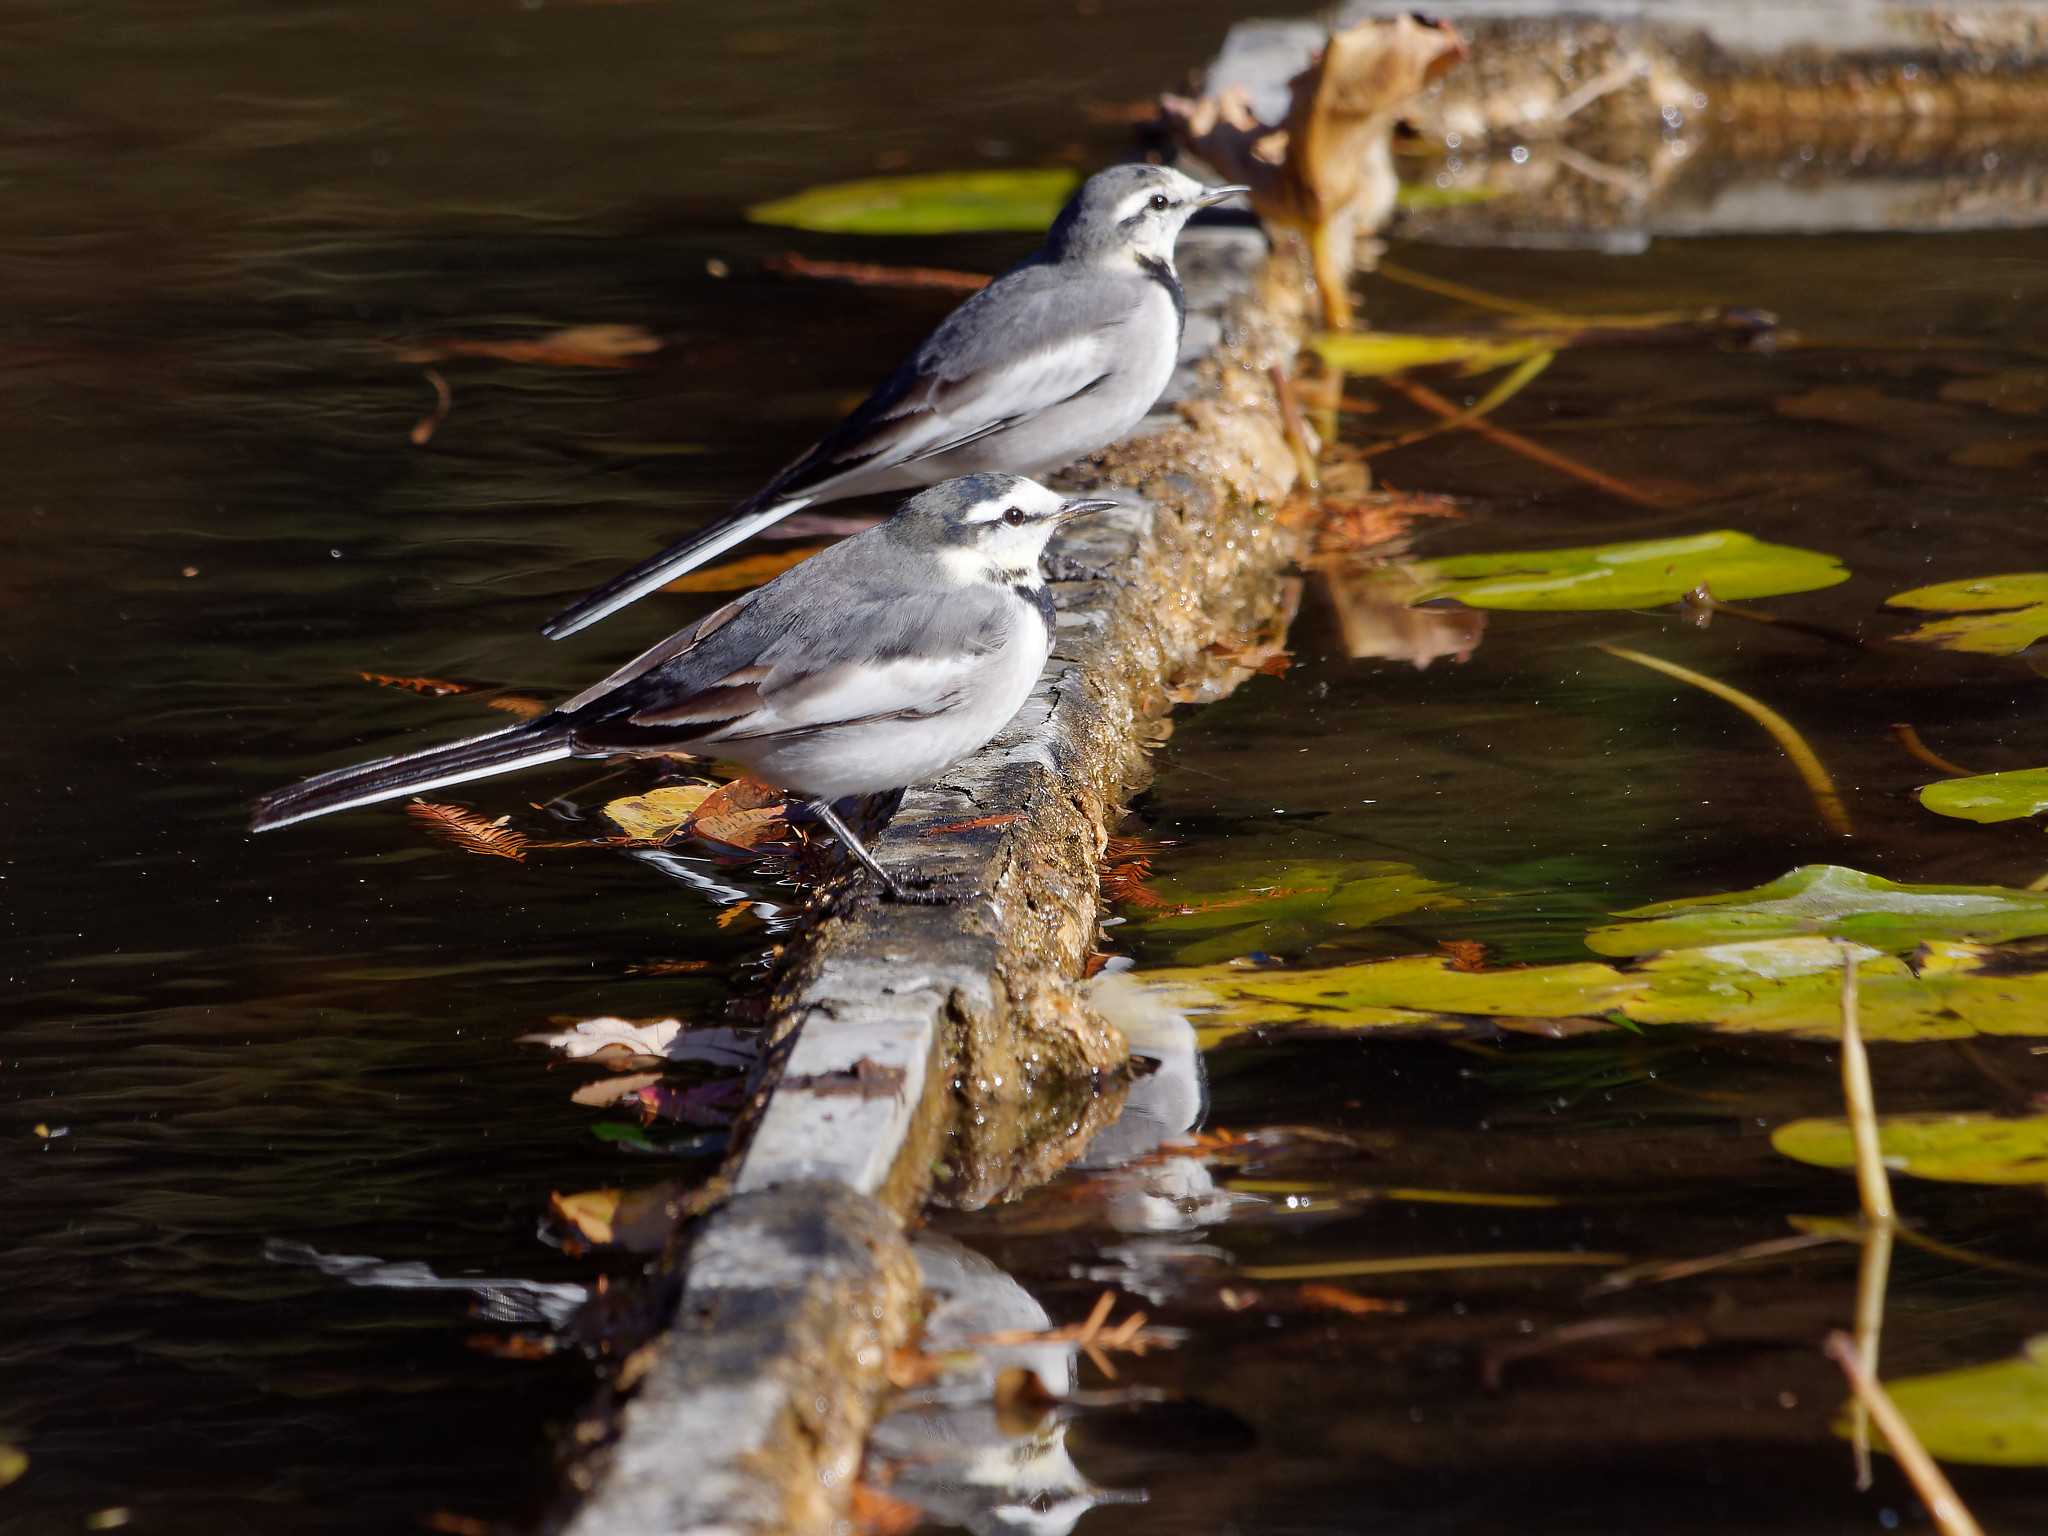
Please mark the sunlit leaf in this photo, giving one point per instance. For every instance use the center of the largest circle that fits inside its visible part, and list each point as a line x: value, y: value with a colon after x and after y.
x: 1828, y: 899
x: 1793, y: 986
x: 13, y: 1462
x: 1373, y: 354
x: 947, y: 203
x: 1783, y: 986
x: 432, y: 687
x: 1990, y: 796
x: 659, y: 812
x: 1998, y: 615
x: 744, y: 814
x: 1240, y: 908
x: 1644, y: 574
x: 1418, y: 992
x: 1981, y: 1415
x: 744, y: 574
x: 638, y: 1220
x: 1954, y: 1149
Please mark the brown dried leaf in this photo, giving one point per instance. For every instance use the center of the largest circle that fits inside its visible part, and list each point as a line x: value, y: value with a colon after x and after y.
x: 867, y: 274
x: 1334, y: 1298
x: 745, y: 574
x: 469, y: 831
x: 523, y: 705
x: 875, y: 1513
x: 432, y: 687
x: 576, y: 346
x: 743, y: 829
x: 1467, y: 955
x: 729, y: 915
x: 588, y: 1212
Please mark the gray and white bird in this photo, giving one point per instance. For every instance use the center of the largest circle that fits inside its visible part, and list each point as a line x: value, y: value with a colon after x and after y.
x: 1059, y: 356
x: 876, y: 663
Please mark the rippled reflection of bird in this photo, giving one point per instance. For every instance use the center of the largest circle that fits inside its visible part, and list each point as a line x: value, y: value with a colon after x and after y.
x: 879, y: 662
x: 1059, y: 356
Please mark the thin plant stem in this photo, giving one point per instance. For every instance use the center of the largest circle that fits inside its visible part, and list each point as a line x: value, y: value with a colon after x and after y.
x: 1951, y: 1517
x: 1523, y: 374
x: 1826, y: 798
x: 1875, y: 1191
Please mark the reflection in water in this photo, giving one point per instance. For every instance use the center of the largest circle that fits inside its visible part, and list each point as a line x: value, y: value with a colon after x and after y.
x: 497, y: 1301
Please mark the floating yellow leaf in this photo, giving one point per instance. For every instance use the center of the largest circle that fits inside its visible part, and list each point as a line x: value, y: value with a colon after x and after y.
x: 946, y: 203
x: 1996, y: 615
x: 1953, y: 1149
x: 659, y: 812
x: 1990, y: 796
x: 1982, y: 1415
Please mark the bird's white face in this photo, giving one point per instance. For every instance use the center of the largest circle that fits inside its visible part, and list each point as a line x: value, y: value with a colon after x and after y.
x: 1000, y: 538
x: 1149, y: 219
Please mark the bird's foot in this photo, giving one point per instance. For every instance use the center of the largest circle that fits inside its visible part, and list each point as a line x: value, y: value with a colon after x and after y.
x: 930, y: 890
x: 1065, y: 568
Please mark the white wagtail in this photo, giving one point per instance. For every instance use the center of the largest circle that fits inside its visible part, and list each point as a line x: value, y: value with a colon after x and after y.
x: 1059, y: 356
x: 881, y: 661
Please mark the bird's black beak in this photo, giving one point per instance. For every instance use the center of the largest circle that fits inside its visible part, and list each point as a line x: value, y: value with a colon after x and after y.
x: 1074, y: 509
x: 1215, y: 195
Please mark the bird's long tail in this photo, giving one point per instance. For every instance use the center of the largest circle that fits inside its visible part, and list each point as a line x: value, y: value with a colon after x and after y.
x: 665, y: 567
x: 521, y: 746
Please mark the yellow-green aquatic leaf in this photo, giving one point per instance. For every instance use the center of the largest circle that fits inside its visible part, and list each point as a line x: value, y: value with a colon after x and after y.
x: 1955, y: 1149
x: 1981, y: 1415
x: 1427, y: 195
x: 1419, y: 992
x: 1237, y: 909
x: 1990, y: 796
x: 1828, y: 899
x: 1998, y: 615
x: 1794, y: 986
x: 1373, y: 354
x: 1778, y: 986
x: 13, y: 1462
x: 949, y: 203
x: 1643, y: 574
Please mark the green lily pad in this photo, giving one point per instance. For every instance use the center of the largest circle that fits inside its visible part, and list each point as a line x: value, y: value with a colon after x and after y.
x: 1419, y: 992
x: 1777, y: 986
x: 1990, y: 796
x: 1955, y: 1149
x: 1982, y: 1415
x: 1231, y: 910
x: 1644, y: 574
x: 949, y: 203
x: 1999, y: 615
x: 1830, y: 900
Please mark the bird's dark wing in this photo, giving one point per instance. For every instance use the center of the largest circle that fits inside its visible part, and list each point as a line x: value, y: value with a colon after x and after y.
x: 1031, y: 339
x: 900, y: 655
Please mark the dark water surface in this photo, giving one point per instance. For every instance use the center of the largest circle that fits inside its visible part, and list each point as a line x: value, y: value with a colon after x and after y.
x: 219, y: 221
x: 1548, y: 785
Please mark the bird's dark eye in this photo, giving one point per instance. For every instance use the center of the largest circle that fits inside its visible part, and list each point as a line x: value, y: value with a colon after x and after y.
x: 1161, y: 202
x: 1014, y: 516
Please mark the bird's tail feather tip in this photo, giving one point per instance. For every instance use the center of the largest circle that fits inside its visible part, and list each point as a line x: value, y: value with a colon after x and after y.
x: 391, y: 778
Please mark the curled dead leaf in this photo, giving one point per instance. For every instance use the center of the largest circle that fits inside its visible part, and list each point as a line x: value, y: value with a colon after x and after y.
x: 470, y: 832
x: 1327, y: 171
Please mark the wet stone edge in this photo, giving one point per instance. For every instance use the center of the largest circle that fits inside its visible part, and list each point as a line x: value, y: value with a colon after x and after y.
x: 919, y: 1046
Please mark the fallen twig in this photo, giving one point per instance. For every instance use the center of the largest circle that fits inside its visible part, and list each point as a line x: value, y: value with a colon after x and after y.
x: 869, y: 274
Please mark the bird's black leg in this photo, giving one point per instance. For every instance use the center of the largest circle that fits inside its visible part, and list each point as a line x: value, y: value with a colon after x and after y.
x: 892, y: 888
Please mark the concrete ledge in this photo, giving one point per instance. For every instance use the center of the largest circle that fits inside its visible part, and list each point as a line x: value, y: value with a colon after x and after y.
x: 754, y: 1414
x: 948, y: 1046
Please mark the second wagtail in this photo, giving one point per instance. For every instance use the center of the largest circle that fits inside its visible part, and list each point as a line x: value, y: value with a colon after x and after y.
x: 879, y: 662
x: 1061, y: 355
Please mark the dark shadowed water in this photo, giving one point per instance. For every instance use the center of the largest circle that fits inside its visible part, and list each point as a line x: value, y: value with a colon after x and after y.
x: 221, y: 222
x: 223, y: 225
